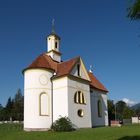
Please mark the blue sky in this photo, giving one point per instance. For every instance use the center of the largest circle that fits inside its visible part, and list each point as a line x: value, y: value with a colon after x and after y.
x: 96, y: 30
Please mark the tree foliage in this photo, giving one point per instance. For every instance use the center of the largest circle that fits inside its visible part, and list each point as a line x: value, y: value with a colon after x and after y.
x: 134, y: 10
x: 13, y: 109
x: 121, y: 109
x: 18, y: 106
x: 1, y: 110
x: 128, y: 113
x: 137, y: 111
x: 111, y: 110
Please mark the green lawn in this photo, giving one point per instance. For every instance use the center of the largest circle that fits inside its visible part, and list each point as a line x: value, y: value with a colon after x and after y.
x: 15, y: 132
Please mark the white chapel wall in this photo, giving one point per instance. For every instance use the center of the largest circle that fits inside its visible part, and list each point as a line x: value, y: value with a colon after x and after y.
x: 60, y: 98
x: 36, y: 82
x: 73, y: 87
x: 96, y: 120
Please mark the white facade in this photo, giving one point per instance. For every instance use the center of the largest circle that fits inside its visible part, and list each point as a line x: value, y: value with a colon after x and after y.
x: 37, y: 90
x: 60, y: 98
x: 53, y: 43
x: 73, y: 87
x: 97, y: 96
x: 48, y: 97
x: 53, y: 47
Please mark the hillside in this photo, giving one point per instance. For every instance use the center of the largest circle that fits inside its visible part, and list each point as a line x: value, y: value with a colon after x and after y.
x: 136, y: 106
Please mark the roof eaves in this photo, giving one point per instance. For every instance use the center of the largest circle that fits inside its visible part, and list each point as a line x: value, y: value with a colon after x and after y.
x: 44, y: 68
x: 105, y: 90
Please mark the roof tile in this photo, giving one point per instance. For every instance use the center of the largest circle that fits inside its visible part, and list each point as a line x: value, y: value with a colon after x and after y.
x: 96, y: 83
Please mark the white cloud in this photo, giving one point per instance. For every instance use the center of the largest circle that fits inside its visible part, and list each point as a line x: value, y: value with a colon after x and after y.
x: 129, y: 102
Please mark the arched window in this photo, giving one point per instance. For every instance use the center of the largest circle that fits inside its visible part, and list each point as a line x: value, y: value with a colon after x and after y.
x: 79, y: 98
x: 44, y: 104
x: 99, y: 106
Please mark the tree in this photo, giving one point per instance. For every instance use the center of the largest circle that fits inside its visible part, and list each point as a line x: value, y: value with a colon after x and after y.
x: 120, y: 106
x: 111, y: 110
x: 124, y: 111
x: 13, y: 109
x: 1, y: 106
x: 9, y: 108
x: 18, y: 103
x: 128, y: 113
x: 1, y: 114
x: 134, y: 10
x: 138, y: 111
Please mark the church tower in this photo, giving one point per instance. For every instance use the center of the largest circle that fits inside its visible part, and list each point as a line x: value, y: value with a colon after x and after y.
x: 53, y: 42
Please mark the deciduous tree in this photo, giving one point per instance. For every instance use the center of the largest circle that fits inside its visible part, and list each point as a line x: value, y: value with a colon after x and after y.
x: 134, y: 10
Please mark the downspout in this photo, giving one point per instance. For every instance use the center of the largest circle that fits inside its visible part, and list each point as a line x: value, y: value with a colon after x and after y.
x: 54, y: 74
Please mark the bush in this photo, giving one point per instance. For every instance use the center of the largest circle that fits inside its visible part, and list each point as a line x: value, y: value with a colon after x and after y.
x: 63, y: 124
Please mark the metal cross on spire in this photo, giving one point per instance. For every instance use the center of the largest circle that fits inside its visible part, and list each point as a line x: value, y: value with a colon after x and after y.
x: 91, y: 69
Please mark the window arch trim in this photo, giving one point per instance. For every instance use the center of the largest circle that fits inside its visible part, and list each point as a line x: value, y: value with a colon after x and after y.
x: 41, y: 113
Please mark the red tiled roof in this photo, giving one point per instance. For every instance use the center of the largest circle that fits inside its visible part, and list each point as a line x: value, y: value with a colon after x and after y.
x: 66, y: 66
x: 62, y: 68
x: 43, y: 61
x: 95, y: 83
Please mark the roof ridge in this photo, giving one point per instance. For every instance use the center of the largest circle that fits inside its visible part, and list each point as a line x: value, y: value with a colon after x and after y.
x: 44, y: 54
x: 70, y: 59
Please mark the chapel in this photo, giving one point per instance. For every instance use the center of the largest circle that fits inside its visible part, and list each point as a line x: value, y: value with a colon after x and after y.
x: 55, y: 88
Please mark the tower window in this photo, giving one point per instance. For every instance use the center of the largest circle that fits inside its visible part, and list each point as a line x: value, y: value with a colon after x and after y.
x: 78, y: 69
x: 56, y: 45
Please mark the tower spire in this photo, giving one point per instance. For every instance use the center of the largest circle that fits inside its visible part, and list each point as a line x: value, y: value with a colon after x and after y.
x: 53, y: 41
x: 53, y: 29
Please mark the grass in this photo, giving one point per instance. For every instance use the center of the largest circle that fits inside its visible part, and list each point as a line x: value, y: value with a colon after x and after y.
x: 15, y: 132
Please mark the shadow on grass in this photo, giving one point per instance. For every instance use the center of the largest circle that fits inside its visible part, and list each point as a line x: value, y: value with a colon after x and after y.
x: 130, y: 138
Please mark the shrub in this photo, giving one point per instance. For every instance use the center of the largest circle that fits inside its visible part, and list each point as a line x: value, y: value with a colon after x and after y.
x: 63, y: 124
